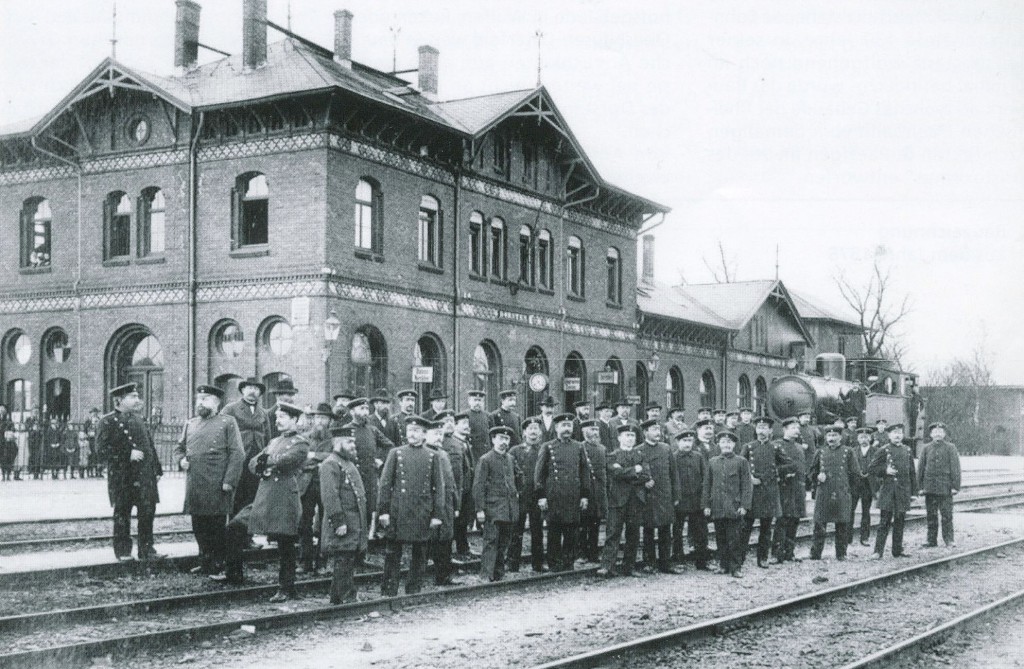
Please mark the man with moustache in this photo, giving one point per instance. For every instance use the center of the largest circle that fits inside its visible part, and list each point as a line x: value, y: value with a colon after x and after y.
x: 745, y: 430
x: 726, y: 499
x: 479, y: 426
x: 456, y: 443
x: 506, y: 415
x: 343, y: 534
x: 597, y: 508
x: 254, y: 426
x: 547, y: 419
x: 379, y: 417
x: 768, y: 463
x: 862, y: 491
x: 441, y: 541
x: 609, y: 437
x: 438, y: 403
x: 792, y: 493
x: 939, y: 480
x: 372, y: 447
x: 406, y: 410
x: 662, y: 497
x: 582, y: 409
x: 318, y: 433
x: 628, y: 479
x: 835, y: 473
x: 691, y: 469
x: 893, y: 467
x: 562, y: 479
x: 495, y: 497
x: 674, y: 425
x: 525, y: 457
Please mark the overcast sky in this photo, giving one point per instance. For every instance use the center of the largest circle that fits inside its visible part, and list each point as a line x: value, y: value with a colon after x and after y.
x: 841, y: 131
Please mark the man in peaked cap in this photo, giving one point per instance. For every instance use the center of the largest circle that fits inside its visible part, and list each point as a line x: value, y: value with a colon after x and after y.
x: 597, y: 508
x: 726, y: 500
x: 893, y: 469
x: 768, y: 463
x: 133, y: 471
x: 706, y: 444
x: 652, y: 410
x: 703, y: 413
x: 863, y: 490
x: 938, y: 481
x: 792, y: 493
x: 479, y: 425
x: 380, y: 405
x: 495, y: 495
x: 440, y: 546
x: 691, y: 469
x: 718, y: 416
x: 255, y: 427
x: 562, y: 479
x: 211, y: 455
x: 438, y: 403
x: 745, y: 428
x: 662, y: 496
x: 547, y: 418
x: 284, y: 391
x: 609, y: 437
x: 372, y: 447
x: 343, y: 532
x: 506, y: 414
x: 835, y: 473
x: 460, y: 452
x: 525, y: 457
x: 339, y: 407
x: 318, y: 433
x: 406, y: 409
x: 628, y: 476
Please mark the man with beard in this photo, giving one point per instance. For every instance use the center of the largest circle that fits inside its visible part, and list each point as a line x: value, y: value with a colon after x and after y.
x: 380, y: 417
x: 547, y: 419
x: 662, y: 496
x: 340, y: 407
x: 582, y: 410
x: 441, y: 541
x: 863, y: 490
x: 792, y: 494
x: 525, y: 457
x: 622, y: 415
x: 456, y: 445
x: 627, y: 491
x: 211, y: 455
x: 726, y: 498
x: 767, y: 464
x: 344, y: 531
x: 479, y: 426
x: 835, y: 473
x: 652, y: 411
x: 691, y: 468
x: 372, y: 447
x: 562, y: 479
x: 318, y: 434
x: 406, y: 410
x: 597, y: 508
x: 506, y: 415
x: 254, y: 427
x: 893, y: 467
x: 494, y: 494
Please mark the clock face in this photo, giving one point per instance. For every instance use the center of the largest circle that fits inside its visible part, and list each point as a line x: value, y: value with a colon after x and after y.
x: 139, y: 130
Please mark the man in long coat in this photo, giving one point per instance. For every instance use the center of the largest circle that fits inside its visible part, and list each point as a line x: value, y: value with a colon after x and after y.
x: 727, y: 496
x: 460, y: 451
x: 479, y: 424
x: 133, y: 471
x: 609, y: 437
x: 371, y: 446
x: 835, y: 473
x: 495, y: 495
x: 506, y: 416
x: 254, y: 426
x: 938, y: 481
x: 746, y: 430
x: 813, y: 439
x: 277, y: 509
x: 525, y: 457
x: 768, y: 462
x: 380, y: 418
x: 863, y: 491
x: 691, y: 469
x: 792, y: 493
x: 597, y: 507
x: 410, y: 504
x: 343, y: 534
x: 562, y: 479
x: 662, y: 496
x: 441, y: 542
x: 893, y: 467
x: 211, y: 455
x: 317, y: 432
x: 628, y: 476
x: 406, y: 409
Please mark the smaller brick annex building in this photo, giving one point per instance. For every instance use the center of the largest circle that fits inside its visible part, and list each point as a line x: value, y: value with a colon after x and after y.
x: 288, y: 211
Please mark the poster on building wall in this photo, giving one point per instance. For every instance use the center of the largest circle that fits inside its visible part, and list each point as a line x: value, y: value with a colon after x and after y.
x: 422, y: 374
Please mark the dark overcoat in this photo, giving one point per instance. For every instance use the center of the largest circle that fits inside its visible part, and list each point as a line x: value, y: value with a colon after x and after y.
x: 691, y: 468
x: 479, y: 433
x: 117, y: 435
x: 277, y: 508
x: 746, y: 433
x: 562, y: 476
x: 865, y: 482
x: 213, y: 447
x: 411, y: 492
x: 525, y: 457
x: 608, y: 436
x: 768, y: 462
x: 832, y: 501
x: 452, y: 497
x: 495, y: 487
x: 597, y: 505
x: 727, y: 487
x: 461, y: 458
x: 344, y: 503
x: 509, y: 419
x: 939, y: 468
x: 371, y: 444
x: 319, y: 450
x: 792, y: 486
x: 255, y: 427
x: 660, y: 508
x: 626, y: 491
x: 388, y: 427
x: 894, y: 490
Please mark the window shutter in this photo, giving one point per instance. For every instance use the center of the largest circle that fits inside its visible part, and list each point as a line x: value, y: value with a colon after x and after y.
x: 108, y: 213
x: 236, y: 216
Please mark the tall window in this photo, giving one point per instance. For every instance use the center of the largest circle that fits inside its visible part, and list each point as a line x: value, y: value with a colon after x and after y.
x: 574, y: 380
x: 57, y: 346
x: 574, y: 267
x: 614, y: 295
x: 136, y: 356
x: 19, y: 398
x: 642, y: 385
x: 250, y: 216
x: 744, y: 396
x: 499, y: 256
x: 152, y: 222
x: 760, y: 397
x: 429, y: 232
x: 545, y: 260
x: 117, y: 225
x: 500, y: 152
x: 527, y: 275
x: 535, y: 362
x: 707, y: 389
x: 368, y: 369
x: 529, y: 164
x: 477, y: 245
x: 613, y: 379
x: 673, y: 389
x: 487, y: 371
x: 368, y: 227
x: 36, y: 223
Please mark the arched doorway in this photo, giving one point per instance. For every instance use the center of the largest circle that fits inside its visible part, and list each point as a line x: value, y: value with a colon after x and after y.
x: 57, y: 399
x: 744, y: 393
x: 135, y: 355
x: 611, y: 379
x: 642, y: 387
x: 429, y: 353
x: 708, y: 395
x: 368, y: 361
x: 487, y: 371
x: 536, y: 362
x: 574, y: 380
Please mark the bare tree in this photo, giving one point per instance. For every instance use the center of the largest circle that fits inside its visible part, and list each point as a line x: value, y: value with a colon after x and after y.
x: 959, y: 393
x: 721, y: 271
x: 879, y: 312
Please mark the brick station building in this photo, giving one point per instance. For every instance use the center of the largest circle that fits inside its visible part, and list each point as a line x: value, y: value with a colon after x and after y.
x: 291, y: 212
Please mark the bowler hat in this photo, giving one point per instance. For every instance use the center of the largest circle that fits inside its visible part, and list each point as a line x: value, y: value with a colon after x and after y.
x: 285, y: 387
x: 252, y: 381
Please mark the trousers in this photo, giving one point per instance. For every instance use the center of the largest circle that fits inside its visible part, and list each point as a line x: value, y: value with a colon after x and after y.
x: 697, y: 525
x: 864, y: 499
x: 343, y: 583
x: 123, y: 525
x: 515, y: 547
x: 393, y: 563
x: 895, y: 521
x: 617, y: 523
x: 764, y: 536
x: 784, y: 537
x: 590, y: 531
x: 562, y: 545
x: 729, y: 539
x: 818, y: 540
x: 497, y: 538
x: 211, y: 535
x: 663, y: 545
x: 936, y: 506
x: 312, y: 509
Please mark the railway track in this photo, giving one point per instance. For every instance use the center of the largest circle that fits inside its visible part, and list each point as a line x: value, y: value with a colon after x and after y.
x: 634, y: 652
x: 142, y: 612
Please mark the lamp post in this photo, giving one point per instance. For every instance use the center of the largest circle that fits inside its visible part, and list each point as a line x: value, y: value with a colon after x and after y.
x: 654, y: 363
x: 332, y: 328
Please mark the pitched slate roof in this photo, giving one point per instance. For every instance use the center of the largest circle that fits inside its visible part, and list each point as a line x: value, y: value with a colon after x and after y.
x: 475, y: 113
x: 815, y: 311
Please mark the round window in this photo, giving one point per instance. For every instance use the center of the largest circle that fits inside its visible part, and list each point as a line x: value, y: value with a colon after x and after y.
x: 279, y: 338
x: 20, y: 349
x: 230, y: 340
x: 138, y: 130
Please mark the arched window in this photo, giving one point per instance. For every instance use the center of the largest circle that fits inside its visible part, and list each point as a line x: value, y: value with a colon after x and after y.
x: 614, y: 294
x: 250, y: 210
x: 574, y: 380
x: 536, y: 362
x: 36, y: 226
x: 57, y: 398
x: 429, y: 352
x: 760, y: 397
x: 527, y: 273
x: 477, y: 245
x: 574, y: 273
x: 275, y: 336
x: 229, y: 384
x: 19, y: 399
x: 744, y: 396
x: 487, y: 371
x: 499, y: 249
x: 271, y: 381
x: 368, y: 361
x: 117, y: 228
x: 369, y: 208
x: 707, y: 389
x: 612, y: 379
x: 152, y: 222
x: 18, y: 347
x: 545, y: 261
x: 56, y: 345
x: 227, y: 339
x: 673, y: 389
x: 429, y: 232
x: 135, y: 355
x: 642, y: 385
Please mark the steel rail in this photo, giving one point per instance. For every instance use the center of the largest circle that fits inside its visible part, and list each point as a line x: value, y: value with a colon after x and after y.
x: 722, y: 625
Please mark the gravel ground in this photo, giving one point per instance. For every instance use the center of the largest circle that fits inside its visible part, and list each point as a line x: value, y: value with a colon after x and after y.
x: 83, y: 528
x: 993, y: 644
x: 540, y: 623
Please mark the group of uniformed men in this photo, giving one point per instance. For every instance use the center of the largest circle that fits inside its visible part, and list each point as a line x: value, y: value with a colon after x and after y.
x: 423, y: 479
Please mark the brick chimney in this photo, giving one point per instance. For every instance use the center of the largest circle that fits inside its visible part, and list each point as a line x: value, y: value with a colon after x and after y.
x: 254, y: 33
x: 186, y: 35
x: 343, y: 37
x: 647, y: 261
x: 428, y: 71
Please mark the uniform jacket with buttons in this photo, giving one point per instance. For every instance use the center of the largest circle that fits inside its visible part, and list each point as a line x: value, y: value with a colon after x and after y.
x: 118, y: 435
x: 660, y: 508
x: 371, y: 444
x: 344, y: 503
x: 318, y: 452
x: 832, y: 501
x: 727, y: 487
x: 768, y: 462
x: 213, y: 447
x: 278, y: 507
x: 691, y: 468
x: 461, y: 458
x: 894, y: 490
x: 452, y: 497
x: 939, y: 469
x: 562, y: 476
x: 547, y: 433
x: 495, y: 487
x: 627, y: 493
x: 509, y: 419
x: 411, y: 491
x: 255, y: 426
x: 525, y: 457
x: 479, y: 433
x: 865, y: 482
x: 597, y: 505
x: 792, y: 486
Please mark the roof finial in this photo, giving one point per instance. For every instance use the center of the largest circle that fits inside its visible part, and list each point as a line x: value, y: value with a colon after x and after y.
x: 776, y: 261
x: 113, y: 34
x: 394, y: 45
x: 289, y: 15
x: 540, y: 36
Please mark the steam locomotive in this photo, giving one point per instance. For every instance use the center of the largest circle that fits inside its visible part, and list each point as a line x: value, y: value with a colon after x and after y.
x: 867, y: 389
